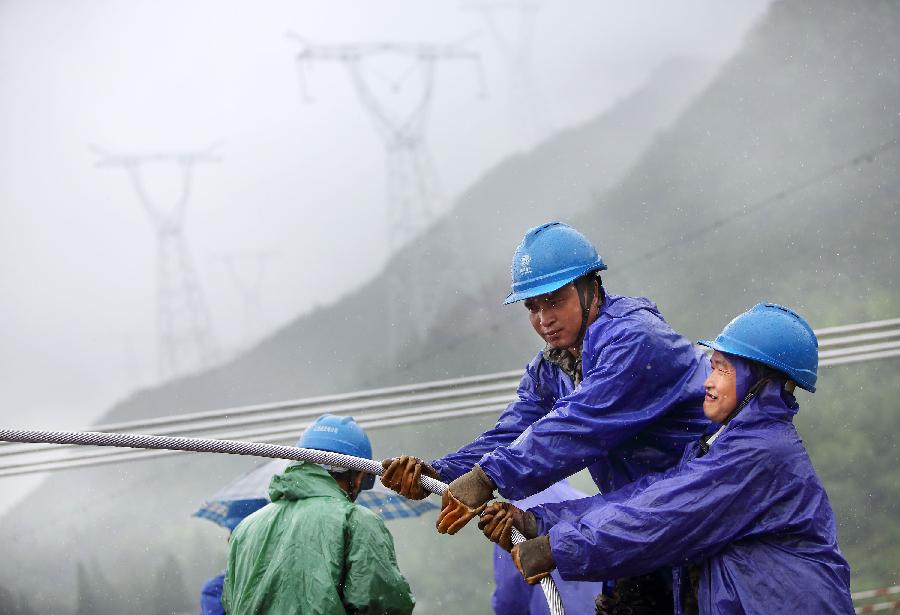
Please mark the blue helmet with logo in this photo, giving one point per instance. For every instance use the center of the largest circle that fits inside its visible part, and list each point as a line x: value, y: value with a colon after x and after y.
x: 339, y: 434
x: 549, y: 257
x: 776, y: 336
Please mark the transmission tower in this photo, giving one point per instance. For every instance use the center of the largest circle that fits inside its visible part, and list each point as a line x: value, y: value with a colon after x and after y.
x: 413, y: 195
x: 246, y: 271
x: 512, y: 26
x: 184, y: 331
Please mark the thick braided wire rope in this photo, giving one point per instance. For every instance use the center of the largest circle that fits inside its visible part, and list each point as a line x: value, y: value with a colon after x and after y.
x: 254, y: 449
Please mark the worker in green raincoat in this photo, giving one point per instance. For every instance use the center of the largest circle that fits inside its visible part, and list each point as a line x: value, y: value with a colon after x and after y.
x: 312, y: 550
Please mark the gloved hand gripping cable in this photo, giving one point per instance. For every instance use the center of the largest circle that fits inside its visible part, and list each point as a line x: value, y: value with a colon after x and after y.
x: 255, y: 449
x: 401, y: 474
x: 500, y: 518
x: 464, y: 499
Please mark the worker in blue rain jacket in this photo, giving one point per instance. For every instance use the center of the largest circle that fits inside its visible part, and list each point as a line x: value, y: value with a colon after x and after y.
x: 513, y: 596
x: 615, y: 390
x: 743, y: 515
x: 211, y: 596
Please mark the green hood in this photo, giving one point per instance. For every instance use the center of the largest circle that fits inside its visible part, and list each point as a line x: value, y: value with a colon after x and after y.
x: 313, y: 551
x: 303, y: 480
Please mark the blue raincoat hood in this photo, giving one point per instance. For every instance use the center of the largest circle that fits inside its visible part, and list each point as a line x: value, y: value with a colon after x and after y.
x: 748, y: 373
x: 744, y: 376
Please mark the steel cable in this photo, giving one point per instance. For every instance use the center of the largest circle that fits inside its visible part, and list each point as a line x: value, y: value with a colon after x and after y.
x: 236, y: 447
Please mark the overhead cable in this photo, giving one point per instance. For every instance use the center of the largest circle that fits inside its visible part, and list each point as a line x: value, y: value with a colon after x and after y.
x: 764, y: 203
x: 391, y: 407
x: 255, y: 449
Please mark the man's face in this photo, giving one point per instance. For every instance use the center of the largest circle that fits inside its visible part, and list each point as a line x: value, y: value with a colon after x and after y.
x: 356, y: 485
x: 721, y: 389
x: 556, y: 316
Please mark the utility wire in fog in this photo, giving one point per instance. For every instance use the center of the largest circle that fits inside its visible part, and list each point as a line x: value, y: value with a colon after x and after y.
x: 461, y: 397
x: 734, y: 216
x: 867, y: 156
x: 427, y: 402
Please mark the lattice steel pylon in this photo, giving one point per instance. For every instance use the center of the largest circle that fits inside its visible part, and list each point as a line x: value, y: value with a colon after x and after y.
x: 413, y: 193
x: 512, y: 26
x: 185, y: 339
x: 246, y: 270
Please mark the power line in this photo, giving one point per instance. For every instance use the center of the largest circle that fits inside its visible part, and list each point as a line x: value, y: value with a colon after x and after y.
x: 756, y: 207
x: 383, y: 408
x: 834, y: 343
x: 866, y: 156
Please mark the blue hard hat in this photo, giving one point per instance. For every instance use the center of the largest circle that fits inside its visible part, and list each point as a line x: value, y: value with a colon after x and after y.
x: 339, y: 434
x: 549, y: 257
x: 776, y: 336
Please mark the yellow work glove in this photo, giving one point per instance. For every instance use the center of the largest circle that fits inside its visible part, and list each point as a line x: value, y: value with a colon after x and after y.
x: 534, y: 559
x: 402, y: 475
x: 465, y: 498
x: 498, y: 520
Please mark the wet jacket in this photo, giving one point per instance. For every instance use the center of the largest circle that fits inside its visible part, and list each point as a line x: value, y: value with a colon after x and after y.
x: 639, y: 404
x: 211, y: 596
x: 751, y: 512
x: 313, y: 551
x: 513, y: 596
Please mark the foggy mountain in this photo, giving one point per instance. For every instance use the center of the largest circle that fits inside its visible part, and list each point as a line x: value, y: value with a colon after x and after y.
x: 763, y: 190
x: 337, y: 347
x: 777, y: 182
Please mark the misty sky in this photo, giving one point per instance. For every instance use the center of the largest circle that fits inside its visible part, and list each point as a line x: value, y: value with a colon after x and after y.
x: 302, y: 182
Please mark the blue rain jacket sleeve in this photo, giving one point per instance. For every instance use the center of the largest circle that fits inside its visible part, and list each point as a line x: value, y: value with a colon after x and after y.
x: 549, y: 514
x: 672, y: 521
x: 752, y: 511
x: 532, y: 402
x: 211, y: 596
x: 637, y: 373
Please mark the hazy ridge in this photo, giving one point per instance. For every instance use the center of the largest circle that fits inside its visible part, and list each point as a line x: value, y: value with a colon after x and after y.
x: 761, y: 190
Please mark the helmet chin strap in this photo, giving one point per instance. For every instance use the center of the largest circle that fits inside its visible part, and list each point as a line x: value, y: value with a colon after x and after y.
x: 586, y: 298
x: 706, y: 441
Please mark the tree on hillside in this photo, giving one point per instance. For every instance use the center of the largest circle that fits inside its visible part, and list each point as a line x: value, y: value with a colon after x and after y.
x: 87, y: 598
x: 205, y: 558
x: 23, y: 607
x: 95, y: 595
x: 7, y: 602
x: 170, y: 594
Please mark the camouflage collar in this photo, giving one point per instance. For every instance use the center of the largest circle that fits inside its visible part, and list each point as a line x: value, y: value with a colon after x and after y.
x: 566, y: 361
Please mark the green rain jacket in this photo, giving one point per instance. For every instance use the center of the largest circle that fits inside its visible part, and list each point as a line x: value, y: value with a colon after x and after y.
x: 313, y: 551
